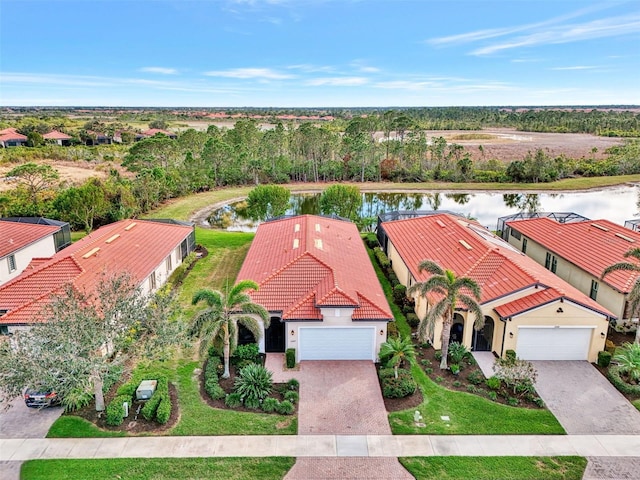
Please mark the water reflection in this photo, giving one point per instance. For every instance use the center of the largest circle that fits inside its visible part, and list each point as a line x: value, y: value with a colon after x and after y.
x: 616, y: 204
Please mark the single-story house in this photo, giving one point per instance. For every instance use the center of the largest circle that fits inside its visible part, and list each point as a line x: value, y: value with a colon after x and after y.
x: 58, y: 138
x: 154, y: 131
x: 24, y: 238
x: 578, y: 252
x: 318, y: 284
x: 526, y: 308
x: 97, y: 138
x: 147, y: 250
x: 9, y: 137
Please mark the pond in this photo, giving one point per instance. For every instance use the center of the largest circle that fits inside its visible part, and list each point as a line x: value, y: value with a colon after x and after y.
x: 616, y: 204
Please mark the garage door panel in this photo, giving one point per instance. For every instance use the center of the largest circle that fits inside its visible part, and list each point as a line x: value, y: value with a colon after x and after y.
x: 553, y: 343
x: 330, y: 343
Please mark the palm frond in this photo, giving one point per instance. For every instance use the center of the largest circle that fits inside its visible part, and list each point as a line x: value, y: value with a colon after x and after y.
x: 259, y: 310
x: 430, y: 266
x: 211, y: 297
x: 469, y: 284
x: 250, y: 324
x: 621, y: 266
x: 474, y: 308
x: 634, y: 253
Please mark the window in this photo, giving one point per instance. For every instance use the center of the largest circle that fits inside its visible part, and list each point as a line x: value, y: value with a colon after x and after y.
x: 554, y: 263
x: 594, y: 290
x: 515, y: 234
x: 547, y: 261
x: 168, y: 263
x: 524, y: 245
x: 152, y: 281
x: 4, y: 330
x: 12, y: 263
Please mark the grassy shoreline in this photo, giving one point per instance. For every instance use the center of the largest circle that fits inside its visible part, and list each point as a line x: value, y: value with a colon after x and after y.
x: 186, y: 207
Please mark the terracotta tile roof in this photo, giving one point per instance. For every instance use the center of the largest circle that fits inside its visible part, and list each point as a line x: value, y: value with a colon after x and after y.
x: 11, y: 134
x: 590, y: 247
x: 152, y: 131
x: 470, y: 250
x: 15, y: 236
x: 306, y: 262
x: 56, y: 135
x: 135, y: 246
x: 537, y: 299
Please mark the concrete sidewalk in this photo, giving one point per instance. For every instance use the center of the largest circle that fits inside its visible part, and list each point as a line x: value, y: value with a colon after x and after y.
x: 322, y: 446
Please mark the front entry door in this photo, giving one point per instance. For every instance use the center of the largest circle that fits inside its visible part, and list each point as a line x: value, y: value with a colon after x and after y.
x: 274, y: 337
x: 483, y: 338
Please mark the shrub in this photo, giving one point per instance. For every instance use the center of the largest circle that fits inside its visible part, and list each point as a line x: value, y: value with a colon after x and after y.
x: 457, y: 352
x: 455, y: 368
x: 614, y: 374
x: 392, y: 329
x: 270, y: 405
x: 439, y: 379
x: 252, y: 403
x: 388, y: 372
x: 491, y: 395
x: 472, y: 388
x: 610, y: 347
x: 151, y: 406
x: 493, y: 383
x: 290, y: 356
x: 406, y: 309
x: 428, y: 370
x: 371, y: 240
x: 539, y: 402
x: 246, y: 353
x: 399, y: 387
x: 475, y: 377
x: 399, y: 294
x: 164, y: 410
x: 254, y: 383
x: 382, y: 258
x: 457, y: 383
x: 515, y: 374
x: 413, y: 320
x: 233, y: 400
x: 513, y: 401
x: 425, y: 362
x: 115, y: 410
x: 438, y: 355
x: 181, y: 270
x: 510, y: 355
x: 76, y: 399
x: 217, y: 392
x: 292, y: 396
x: 285, y: 408
x: 393, y: 279
x: 628, y: 359
x: 293, y: 384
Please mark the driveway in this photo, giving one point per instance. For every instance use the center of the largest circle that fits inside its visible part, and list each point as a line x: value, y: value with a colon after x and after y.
x: 583, y: 400
x: 18, y: 421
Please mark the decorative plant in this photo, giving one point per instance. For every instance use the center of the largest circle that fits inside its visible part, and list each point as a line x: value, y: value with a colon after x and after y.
x: 253, y: 384
x: 395, y: 351
x: 457, y: 352
x: 628, y: 360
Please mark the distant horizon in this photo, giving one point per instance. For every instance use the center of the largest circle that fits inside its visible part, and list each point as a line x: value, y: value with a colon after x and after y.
x: 295, y: 53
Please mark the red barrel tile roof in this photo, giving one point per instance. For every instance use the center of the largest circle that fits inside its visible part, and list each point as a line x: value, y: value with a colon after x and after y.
x: 470, y: 250
x: 307, y: 262
x: 56, y: 135
x: 15, y: 236
x: 591, y: 245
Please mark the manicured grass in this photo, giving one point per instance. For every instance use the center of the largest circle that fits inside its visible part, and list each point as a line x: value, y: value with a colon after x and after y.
x: 198, y: 418
x: 469, y: 414
x: 268, y: 468
x: 221, y: 266
x: 75, y: 236
x: 636, y: 403
x: 76, y: 427
x: 184, y: 208
x: 492, y: 468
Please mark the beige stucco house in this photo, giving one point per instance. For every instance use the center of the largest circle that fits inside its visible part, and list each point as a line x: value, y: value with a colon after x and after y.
x: 526, y: 308
x: 578, y: 252
x: 318, y: 284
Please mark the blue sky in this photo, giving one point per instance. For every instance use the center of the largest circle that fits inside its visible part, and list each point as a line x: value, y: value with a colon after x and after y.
x: 299, y: 53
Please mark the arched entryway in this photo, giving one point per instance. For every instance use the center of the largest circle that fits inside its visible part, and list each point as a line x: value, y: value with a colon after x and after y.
x: 483, y: 338
x: 274, y: 336
x: 457, y: 329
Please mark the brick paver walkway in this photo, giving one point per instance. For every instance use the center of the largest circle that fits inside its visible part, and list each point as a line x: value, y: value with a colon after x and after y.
x: 365, y: 468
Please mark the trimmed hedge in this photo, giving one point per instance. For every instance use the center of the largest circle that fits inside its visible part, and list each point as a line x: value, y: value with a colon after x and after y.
x: 413, y: 320
x: 399, y: 294
x: 285, y: 408
x: 180, y: 273
x: 290, y: 356
x: 382, y: 258
x: 164, y: 410
x: 604, y: 359
x: 115, y: 410
x: 149, y: 411
x: 615, y: 376
x: 400, y: 387
x: 291, y: 396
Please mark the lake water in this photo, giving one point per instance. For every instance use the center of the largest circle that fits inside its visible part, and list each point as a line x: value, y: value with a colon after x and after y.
x: 616, y: 204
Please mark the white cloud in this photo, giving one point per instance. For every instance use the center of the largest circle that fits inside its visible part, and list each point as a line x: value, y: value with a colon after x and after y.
x: 576, y: 67
x: 310, y: 68
x: 249, y: 73
x: 361, y: 66
x: 337, y: 81
x: 160, y: 70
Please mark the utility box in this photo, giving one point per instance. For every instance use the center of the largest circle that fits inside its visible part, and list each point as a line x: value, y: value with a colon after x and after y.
x: 146, y: 389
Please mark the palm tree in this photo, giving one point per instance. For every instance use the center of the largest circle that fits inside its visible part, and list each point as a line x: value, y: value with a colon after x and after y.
x: 397, y: 350
x: 221, y: 317
x: 634, y: 294
x: 628, y: 359
x: 446, y: 284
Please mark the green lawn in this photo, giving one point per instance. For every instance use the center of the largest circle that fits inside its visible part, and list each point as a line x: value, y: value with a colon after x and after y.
x: 469, y: 414
x: 69, y: 426
x: 268, y: 468
x: 494, y: 468
x: 636, y: 403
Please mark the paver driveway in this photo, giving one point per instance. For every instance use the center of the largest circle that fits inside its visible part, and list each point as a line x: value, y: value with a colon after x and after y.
x: 583, y: 400
x: 343, y: 398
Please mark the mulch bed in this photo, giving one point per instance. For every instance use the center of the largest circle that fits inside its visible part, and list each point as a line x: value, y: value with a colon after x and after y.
x: 397, y: 404
x: 134, y: 424
x: 227, y: 385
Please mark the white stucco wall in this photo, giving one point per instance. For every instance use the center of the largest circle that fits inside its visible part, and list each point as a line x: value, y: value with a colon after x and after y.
x: 43, y: 248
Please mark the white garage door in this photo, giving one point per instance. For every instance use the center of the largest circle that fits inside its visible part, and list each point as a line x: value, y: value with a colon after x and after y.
x: 553, y: 343
x: 335, y: 343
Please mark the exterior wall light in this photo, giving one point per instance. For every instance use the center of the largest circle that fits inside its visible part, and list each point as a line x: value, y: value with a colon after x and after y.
x: 293, y: 332
x: 381, y: 331
x: 510, y: 334
x: 559, y: 310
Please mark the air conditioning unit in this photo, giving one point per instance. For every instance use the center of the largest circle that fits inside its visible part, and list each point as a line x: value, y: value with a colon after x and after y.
x: 146, y: 389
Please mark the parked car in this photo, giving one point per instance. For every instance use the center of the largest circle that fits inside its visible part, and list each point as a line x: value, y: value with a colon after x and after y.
x: 38, y: 398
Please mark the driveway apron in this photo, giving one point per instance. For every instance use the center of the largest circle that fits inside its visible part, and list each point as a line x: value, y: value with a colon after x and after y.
x: 583, y: 400
x: 343, y: 398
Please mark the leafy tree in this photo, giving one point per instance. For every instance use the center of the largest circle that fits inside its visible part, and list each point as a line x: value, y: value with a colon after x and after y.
x: 157, y: 151
x: 219, y: 320
x: 634, y: 294
x: 35, y: 139
x: 82, y: 205
x: 451, y: 289
x: 83, y: 336
x: 342, y: 200
x: 267, y: 201
x: 34, y: 178
x: 396, y: 351
x: 160, y: 124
